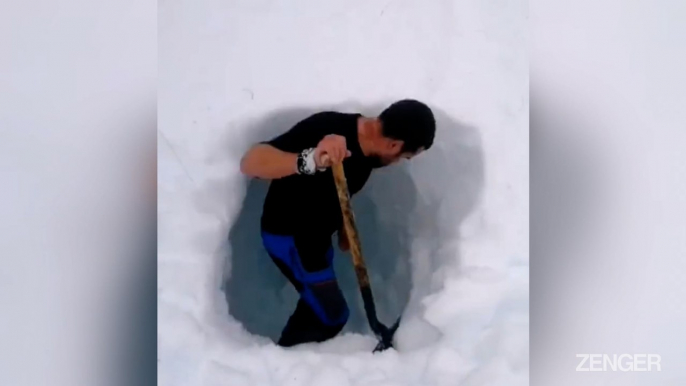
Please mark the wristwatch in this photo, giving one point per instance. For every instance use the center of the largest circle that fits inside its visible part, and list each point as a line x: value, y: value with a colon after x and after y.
x: 306, y: 163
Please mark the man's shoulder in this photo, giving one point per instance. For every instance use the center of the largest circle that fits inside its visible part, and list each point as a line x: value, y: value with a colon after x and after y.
x: 334, y: 115
x: 332, y: 122
x: 327, y: 122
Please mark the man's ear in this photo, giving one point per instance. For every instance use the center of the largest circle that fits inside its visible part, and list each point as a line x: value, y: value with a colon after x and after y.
x: 396, y: 145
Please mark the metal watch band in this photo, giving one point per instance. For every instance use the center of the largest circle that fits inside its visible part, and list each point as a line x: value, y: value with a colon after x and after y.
x: 306, y: 163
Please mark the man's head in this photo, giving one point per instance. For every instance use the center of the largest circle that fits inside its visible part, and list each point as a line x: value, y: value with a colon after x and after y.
x: 407, y: 128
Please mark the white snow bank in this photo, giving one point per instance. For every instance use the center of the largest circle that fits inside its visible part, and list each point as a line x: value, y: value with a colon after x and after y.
x: 445, y: 236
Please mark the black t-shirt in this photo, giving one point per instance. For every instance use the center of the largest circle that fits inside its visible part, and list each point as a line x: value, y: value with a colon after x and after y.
x: 307, y: 205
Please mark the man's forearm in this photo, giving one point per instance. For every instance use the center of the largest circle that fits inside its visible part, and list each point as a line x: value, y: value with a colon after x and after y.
x: 267, y: 162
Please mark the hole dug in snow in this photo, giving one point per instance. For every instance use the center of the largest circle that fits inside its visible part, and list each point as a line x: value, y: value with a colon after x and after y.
x: 415, y: 206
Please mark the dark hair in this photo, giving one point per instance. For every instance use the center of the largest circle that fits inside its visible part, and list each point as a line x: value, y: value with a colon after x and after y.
x: 410, y: 121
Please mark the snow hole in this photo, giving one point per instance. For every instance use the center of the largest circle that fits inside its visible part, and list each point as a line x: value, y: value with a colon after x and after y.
x: 408, y: 217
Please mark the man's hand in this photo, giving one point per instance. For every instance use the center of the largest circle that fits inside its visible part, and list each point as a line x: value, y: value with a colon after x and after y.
x: 331, y: 150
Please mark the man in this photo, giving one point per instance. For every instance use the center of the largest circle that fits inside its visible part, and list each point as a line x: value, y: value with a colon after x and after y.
x: 302, y: 212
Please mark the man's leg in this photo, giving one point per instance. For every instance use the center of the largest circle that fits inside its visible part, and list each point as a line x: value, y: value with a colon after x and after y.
x: 322, y: 310
x: 304, y: 326
x: 307, y: 325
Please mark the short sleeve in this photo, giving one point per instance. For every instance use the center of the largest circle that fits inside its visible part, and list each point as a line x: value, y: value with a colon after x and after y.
x: 305, y: 134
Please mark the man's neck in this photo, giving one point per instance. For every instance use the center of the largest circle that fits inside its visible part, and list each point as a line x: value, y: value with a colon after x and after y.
x: 367, y: 130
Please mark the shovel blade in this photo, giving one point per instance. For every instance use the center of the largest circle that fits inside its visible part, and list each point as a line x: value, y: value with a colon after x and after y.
x: 386, y: 336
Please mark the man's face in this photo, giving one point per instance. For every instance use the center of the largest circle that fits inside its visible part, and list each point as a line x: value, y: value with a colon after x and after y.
x: 392, y: 153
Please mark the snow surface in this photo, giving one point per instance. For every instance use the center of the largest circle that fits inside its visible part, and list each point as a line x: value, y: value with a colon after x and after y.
x: 445, y: 236
x: 608, y: 166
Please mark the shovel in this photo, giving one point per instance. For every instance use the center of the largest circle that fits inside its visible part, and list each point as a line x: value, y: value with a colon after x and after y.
x: 385, y: 334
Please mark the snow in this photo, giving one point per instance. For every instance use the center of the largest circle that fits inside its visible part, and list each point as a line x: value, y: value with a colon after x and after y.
x: 610, y: 200
x: 445, y: 236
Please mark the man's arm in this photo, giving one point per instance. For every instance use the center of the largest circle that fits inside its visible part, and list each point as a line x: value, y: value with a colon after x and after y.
x: 267, y: 162
x: 278, y: 157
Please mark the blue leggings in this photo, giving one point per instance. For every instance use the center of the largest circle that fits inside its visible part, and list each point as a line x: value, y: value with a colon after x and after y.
x: 322, y: 310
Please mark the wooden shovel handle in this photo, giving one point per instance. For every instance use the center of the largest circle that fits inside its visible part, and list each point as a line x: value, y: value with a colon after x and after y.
x: 349, y: 224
